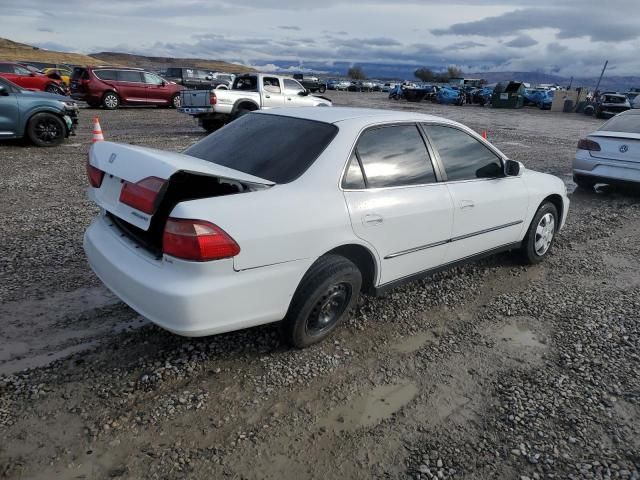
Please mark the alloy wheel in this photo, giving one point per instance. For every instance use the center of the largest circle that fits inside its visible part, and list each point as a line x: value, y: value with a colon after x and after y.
x: 47, y: 130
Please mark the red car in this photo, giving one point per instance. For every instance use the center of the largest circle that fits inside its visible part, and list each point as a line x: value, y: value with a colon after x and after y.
x: 115, y: 86
x: 30, y: 79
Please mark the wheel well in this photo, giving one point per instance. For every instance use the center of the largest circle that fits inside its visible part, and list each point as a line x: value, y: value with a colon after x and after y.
x: 110, y: 91
x: 363, y: 259
x: 247, y: 106
x: 557, y: 201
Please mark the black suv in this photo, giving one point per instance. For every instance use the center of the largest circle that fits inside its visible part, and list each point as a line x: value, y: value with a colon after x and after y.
x: 189, y: 77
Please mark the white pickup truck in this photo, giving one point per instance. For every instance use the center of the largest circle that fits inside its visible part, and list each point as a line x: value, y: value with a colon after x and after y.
x: 255, y: 91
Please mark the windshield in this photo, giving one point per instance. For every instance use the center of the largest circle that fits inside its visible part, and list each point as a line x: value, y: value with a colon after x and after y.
x: 272, y: 147
x: 623, y: 123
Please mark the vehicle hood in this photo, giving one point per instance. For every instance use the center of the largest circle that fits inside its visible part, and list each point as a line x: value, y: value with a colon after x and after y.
x: 44, y: 95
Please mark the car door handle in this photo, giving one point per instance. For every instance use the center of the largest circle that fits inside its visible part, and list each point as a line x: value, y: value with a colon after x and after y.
x: 372, y: 220
x: 267, y: 96
x: 466, y: 204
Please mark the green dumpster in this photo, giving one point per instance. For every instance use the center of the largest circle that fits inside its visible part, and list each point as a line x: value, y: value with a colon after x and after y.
x: 508, y: 96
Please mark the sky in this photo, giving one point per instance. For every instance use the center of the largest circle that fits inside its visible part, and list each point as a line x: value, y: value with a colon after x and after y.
x: 563, y: 37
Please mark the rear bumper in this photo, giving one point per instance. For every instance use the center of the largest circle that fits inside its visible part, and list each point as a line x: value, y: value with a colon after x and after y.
x: 604, y: 169
x: 196, y: 110
x: 189, y: 298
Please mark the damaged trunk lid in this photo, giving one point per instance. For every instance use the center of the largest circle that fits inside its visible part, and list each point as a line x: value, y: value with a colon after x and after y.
x: 175, y: 178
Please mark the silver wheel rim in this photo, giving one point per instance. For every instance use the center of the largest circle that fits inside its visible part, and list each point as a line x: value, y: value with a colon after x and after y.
x: 544, y: 234
x: 176, y: 101
x: 111, y: 101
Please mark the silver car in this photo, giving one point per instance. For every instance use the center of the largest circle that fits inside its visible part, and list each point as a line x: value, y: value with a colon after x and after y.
x: 611, y: 154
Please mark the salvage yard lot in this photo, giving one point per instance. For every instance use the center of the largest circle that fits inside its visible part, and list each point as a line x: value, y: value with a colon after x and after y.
x: 492, y: 370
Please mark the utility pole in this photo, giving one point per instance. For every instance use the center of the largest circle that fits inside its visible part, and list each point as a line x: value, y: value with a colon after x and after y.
x: 602, y: 74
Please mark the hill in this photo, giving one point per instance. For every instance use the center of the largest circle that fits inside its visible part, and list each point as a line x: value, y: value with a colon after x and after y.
x: 161, y: 63
x: 10, y: 50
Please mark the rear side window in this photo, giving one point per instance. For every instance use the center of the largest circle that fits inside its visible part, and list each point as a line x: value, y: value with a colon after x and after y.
x: 463, y: 157
x: 6, y: 68
x: 394, y: 156
x: 353, y: 177
x: 106, y: 74
x: 272, y: 147
x: 129, y: 76
x: 271, y: 84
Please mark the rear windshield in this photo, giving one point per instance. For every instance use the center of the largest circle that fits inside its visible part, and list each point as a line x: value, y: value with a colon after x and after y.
x: 272, y: 147
x: 623, y: 123
x: 614, y: 99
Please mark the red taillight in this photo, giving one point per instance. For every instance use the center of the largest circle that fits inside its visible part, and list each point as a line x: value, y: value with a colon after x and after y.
x: 213, y: 99
x: 197, y: 240
x: 143, y: 195
x: 95, y: 175
x: 587, y: 144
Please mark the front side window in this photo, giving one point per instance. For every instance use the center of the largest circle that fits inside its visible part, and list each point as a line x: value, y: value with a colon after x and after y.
x: 394, y: 156
x: 152, y: 79
x: 291, y: 87
x: 463, y: 157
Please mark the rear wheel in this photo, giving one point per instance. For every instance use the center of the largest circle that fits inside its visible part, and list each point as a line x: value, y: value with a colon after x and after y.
x: 541, y: 234
x: 584, y: 182
x: 325, y: 296
x: 111, y: 101
x: 46, y: 130
x: 322, y: 89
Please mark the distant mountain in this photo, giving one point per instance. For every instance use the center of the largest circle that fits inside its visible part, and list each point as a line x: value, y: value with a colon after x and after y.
x: 161, y: 63
x: 14, y: 51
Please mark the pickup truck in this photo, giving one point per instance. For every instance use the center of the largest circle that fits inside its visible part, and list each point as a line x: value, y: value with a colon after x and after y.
x: 313, y: 84
x: 254, y: 91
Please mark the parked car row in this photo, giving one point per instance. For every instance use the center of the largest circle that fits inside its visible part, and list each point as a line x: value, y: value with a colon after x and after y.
x: 31, y: 78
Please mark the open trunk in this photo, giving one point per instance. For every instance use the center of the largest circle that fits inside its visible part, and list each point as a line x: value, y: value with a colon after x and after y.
x: 185, y: 178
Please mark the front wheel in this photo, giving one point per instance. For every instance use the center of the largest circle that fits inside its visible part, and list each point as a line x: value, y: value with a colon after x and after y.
x: 325, y: 296
x: 322, y: 89
x: 541, y: 234
x: 175, y: 101
x: 46, y: 130
x: 111, y: 101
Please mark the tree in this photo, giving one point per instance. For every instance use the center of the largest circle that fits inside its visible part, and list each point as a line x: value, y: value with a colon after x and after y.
x: 356, y: 73
x: 424, y: 74
x: 454, y: 72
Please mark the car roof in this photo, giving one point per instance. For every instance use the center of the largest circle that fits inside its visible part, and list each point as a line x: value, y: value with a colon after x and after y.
x: 364, y: 116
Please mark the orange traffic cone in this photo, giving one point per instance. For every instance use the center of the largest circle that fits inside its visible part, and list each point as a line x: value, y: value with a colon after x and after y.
x: 484, y: 134
x: 97, y: 131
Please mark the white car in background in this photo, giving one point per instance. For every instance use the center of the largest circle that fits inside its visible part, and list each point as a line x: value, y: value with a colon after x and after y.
x: 611, y: 154
x: 290, y: 214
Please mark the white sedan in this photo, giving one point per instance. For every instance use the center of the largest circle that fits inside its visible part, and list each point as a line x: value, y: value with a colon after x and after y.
x: 611, y: 154
x: 290, y: 214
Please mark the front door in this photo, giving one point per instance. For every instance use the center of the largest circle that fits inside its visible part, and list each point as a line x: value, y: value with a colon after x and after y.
x: 272, y: 96
x: 396, y: 203
x: 157, y: 89
x: 489, y: 208
x: 9, y: 113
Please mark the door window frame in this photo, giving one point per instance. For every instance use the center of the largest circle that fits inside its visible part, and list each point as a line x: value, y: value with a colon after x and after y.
x: 423, y: 128
x: 353, y: 152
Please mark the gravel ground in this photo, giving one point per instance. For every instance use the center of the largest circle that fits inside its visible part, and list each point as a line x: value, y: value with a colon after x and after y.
x: 491, y: 370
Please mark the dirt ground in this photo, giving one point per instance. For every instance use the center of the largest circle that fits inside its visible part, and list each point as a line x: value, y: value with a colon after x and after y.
x: 491, y: 370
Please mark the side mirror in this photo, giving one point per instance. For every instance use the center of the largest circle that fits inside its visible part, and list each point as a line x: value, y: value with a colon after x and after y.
x: 163, y: 83
x: 3, y: 90
x: 303, y: 93
x: 511, y: 168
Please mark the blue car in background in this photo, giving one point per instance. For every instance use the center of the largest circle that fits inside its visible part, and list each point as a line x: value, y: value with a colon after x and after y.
x: 450, y: 96
x: 545, y: 99
x: 46, y: 119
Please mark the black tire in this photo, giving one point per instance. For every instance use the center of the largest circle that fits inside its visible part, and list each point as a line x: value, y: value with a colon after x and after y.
x: 530, y: 250
x: 584, y: 182
x: 111, y: 101
x: 325, y: 296
x: 241, y: 112
x: 175, y: 101
x: 322, y: 89
x: 46, y: 130
x: 212, y: 125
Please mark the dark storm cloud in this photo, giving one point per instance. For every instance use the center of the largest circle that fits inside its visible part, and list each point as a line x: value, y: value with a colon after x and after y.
x: 522, y: 41
x: 570, y: 23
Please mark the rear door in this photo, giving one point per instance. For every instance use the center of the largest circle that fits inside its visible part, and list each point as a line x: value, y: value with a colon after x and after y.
x: 131, y: 86
x: 489, y: 208
x: 395, y: 201
x: 272, y: 95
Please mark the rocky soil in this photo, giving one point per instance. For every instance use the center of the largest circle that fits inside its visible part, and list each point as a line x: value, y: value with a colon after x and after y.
x: 491, y: 370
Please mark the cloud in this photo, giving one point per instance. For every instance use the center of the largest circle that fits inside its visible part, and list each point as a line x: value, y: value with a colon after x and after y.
x: 289, y: 27
x: 522, y: 41
x: 570, y: 23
